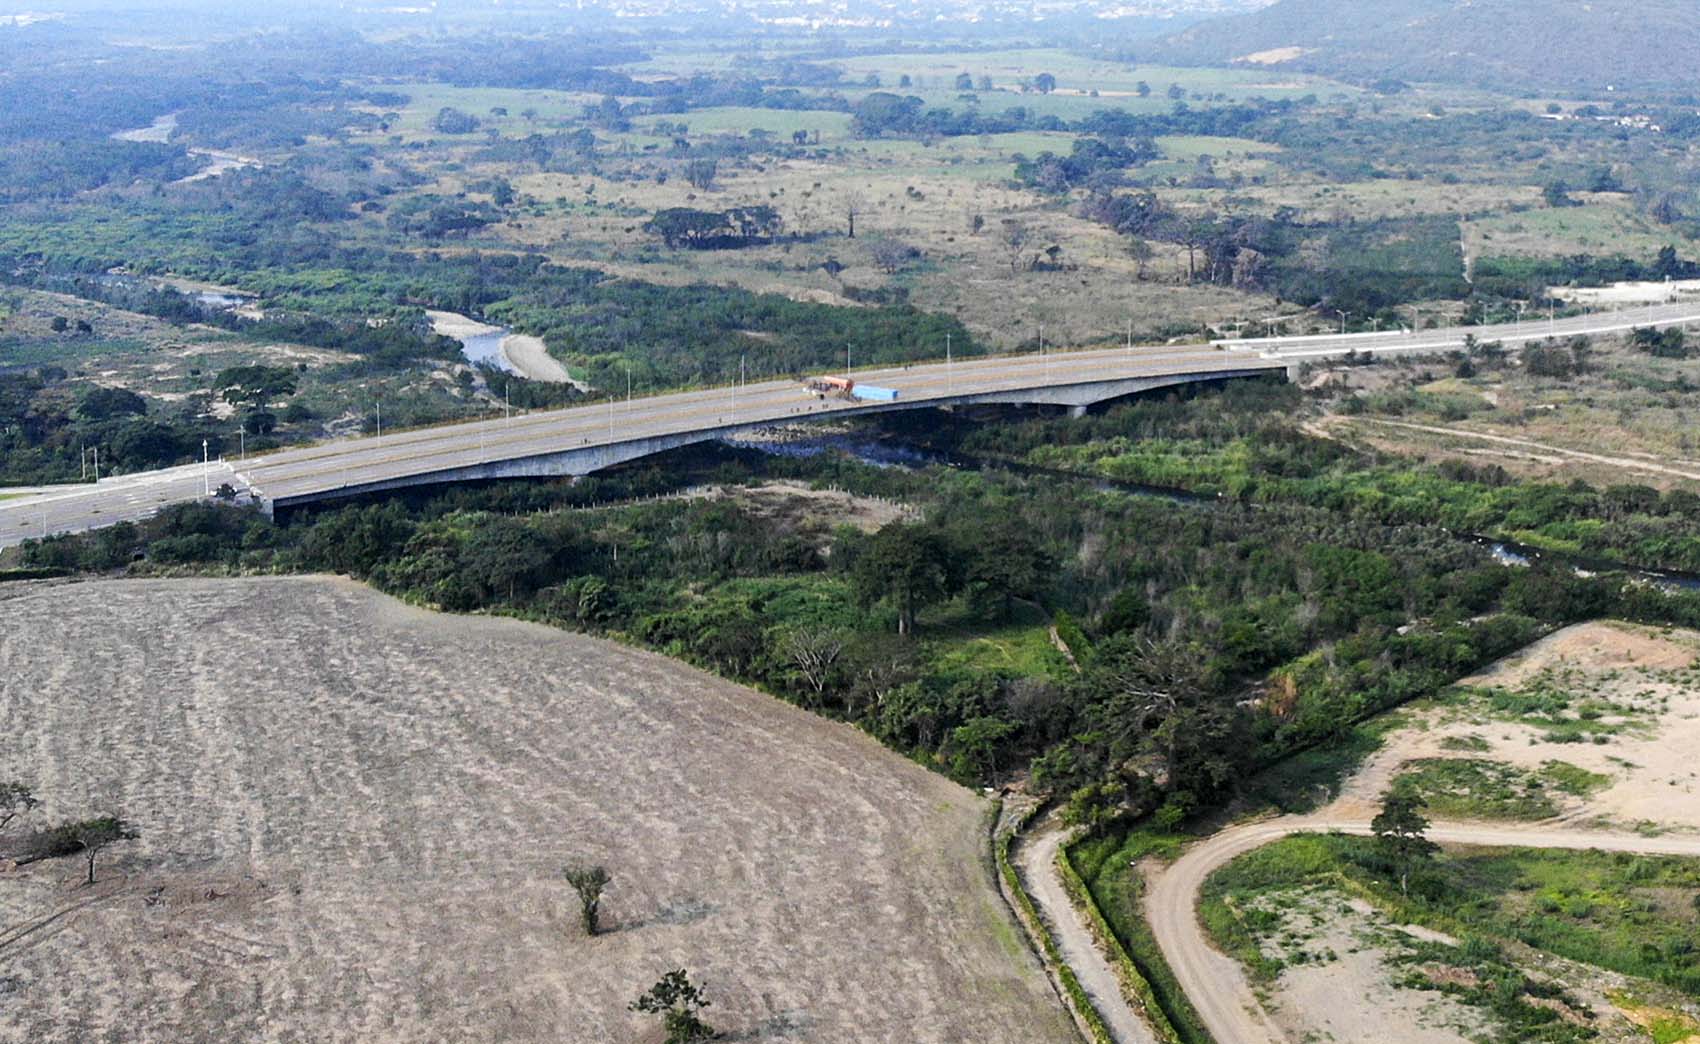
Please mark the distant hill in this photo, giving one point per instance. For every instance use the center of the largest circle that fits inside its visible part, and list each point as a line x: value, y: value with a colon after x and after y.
x: 1576, y: 44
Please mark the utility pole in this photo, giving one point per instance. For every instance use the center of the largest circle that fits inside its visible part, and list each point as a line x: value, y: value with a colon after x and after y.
x: 1343, y: 317
x: 206, y: 471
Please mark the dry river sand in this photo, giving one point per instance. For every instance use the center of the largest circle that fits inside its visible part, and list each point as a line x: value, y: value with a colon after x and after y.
x: 354, y: 815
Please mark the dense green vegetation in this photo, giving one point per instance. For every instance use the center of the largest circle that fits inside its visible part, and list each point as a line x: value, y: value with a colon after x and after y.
x: 1258, y: 458
x: 931, y: 634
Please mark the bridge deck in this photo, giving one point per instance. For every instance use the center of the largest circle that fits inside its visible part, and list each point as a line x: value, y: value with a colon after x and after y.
x: 584, y: 438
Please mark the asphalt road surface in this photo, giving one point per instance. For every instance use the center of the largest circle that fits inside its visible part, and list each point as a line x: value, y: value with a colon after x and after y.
x: 332, y: 466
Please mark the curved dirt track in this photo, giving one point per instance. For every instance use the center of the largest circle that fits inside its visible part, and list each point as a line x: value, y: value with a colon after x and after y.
x: 1217, y: 985
x: 1037, y: 858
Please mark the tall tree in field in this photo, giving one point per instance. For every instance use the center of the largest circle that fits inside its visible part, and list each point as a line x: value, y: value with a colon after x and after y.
x: 588, y: 882
x: 1401, y: 833
x: 1009, y: 564
x: 907, y: 564
x: 854, y: 203
x: 1155, y: 700
x: 700, y: 173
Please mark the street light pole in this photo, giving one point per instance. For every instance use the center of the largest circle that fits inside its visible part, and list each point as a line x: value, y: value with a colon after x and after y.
x: 949, y: 372
x: 206, y: 470
x: 1343, y: 317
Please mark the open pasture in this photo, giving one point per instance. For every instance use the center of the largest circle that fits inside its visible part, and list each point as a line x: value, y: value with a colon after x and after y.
x: 354, y: 815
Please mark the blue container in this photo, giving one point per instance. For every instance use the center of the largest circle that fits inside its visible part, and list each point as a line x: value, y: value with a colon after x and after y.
x: 874, y: 393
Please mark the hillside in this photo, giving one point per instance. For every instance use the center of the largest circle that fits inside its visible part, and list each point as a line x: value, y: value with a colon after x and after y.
x: 1575, y: 44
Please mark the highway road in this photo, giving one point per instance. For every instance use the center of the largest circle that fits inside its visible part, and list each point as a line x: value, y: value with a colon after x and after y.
x: 330, y: 466
x: 326, y: 468
x: 1530, y: 328
x: 1215, y: 982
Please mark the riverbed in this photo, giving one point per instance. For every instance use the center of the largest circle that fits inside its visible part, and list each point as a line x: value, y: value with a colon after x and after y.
x: 217, y: 161
x: 500, y: 347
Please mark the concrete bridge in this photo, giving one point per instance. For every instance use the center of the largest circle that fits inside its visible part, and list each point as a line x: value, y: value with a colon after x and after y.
x: 583, y: 439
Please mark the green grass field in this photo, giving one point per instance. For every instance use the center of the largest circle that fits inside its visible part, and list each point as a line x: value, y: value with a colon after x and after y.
x: 1475, y: 788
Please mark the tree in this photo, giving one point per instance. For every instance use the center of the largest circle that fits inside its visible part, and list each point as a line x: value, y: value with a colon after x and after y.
x: 15, y: 799
x: 1400, y: 833
x: 891, y: 254
x: 88, y: 837
x: 1045, y: 82
x: 854, y: 203
x: 908, y: 564
x: 700, y: 173
x: 453, y: 121
x: 677, y: 1000
x: 60, y: 324
x: 1557, y: 194
x: 255, y: 385
x: 964, y: 81
x: 975, y: 744
x: 1015, y: 237
x: 588, y: 882
x: 103, y: 403
x: 814, y: 652
x: 1009, y: 563
x: 881, y: 112
x: 1154, y: 698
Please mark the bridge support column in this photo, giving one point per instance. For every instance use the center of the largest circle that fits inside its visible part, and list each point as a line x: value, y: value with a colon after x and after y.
x: 1077, y: 411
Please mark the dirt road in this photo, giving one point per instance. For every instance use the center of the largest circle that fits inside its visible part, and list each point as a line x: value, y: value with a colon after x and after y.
x: 1627, y: 463
x: 1217, y: 985
x: 1037, y: 859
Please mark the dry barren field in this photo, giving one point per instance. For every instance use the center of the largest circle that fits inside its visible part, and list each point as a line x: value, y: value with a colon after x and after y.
x: 353, y: 817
